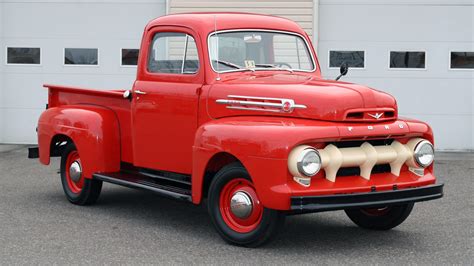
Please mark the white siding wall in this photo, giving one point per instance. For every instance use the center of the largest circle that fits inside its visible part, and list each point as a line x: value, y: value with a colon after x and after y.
x: 53, y: 25
x: 300, y: 11
x: 437, y: 95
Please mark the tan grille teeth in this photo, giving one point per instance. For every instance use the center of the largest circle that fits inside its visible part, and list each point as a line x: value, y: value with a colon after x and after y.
x: 366, y: 157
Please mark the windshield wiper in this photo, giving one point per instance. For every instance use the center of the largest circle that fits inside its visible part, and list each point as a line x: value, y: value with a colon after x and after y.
x: 273, y: 67
x: 229, y: 64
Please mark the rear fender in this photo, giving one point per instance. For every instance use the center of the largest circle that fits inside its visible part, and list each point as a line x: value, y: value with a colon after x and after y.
x: 94, y: 130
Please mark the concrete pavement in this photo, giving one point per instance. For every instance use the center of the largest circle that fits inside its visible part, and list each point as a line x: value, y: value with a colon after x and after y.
x: 39, y: 226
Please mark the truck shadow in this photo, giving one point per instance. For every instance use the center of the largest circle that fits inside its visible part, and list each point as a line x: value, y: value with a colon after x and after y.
x: 325, y: 231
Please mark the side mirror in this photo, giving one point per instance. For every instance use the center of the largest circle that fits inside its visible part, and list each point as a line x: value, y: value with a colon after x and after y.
x: 343, y: 70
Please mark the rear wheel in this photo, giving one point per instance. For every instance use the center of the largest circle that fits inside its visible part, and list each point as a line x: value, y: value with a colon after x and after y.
x: 383, y: 218
x: 236, y: 210
x: 78, y: 189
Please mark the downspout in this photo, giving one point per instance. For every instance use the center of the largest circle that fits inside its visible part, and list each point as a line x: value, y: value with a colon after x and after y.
x: 167, y: 7
x: 316, y: 25
x: 2, y: 65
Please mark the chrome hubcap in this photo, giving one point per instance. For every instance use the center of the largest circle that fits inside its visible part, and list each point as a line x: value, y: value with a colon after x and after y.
x: 75, y: 171
x: 241, y: 205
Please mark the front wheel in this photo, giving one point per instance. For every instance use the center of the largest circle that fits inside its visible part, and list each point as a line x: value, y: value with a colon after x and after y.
x: 236, y: 210
x: 78, y: 189
x: 383, y: 218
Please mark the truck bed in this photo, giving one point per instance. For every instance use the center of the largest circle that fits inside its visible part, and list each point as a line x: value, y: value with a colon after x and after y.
x: 60, y: 96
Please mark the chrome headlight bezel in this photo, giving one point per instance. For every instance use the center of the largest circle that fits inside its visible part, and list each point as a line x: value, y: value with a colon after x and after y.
x: 300, y: 163
x: 417, y: 153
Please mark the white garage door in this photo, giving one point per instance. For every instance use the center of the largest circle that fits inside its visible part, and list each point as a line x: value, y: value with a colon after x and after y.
x: 103, y: 27
x: 419, y: 34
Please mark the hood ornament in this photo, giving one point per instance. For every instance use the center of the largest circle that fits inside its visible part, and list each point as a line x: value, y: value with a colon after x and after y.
x: 253, y: 103
x: 376, y: 115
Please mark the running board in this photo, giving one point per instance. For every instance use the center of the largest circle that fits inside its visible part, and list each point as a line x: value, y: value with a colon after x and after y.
x: 146, y: 183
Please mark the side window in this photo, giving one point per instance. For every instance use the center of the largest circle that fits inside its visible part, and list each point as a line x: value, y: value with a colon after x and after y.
x: 172, y: 52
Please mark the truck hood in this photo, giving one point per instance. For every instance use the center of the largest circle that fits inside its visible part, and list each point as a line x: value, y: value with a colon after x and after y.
x: 301, y: 96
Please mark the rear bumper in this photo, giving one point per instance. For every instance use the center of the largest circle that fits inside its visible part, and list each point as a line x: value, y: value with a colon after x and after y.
x: 365, y: 200
x: 33, y: 153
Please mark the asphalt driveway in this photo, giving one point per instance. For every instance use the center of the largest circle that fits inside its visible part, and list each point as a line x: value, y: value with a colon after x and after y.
x: 39, y: 226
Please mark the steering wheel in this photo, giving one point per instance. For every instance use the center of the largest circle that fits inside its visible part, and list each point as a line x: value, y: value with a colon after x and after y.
x: 282, y: 64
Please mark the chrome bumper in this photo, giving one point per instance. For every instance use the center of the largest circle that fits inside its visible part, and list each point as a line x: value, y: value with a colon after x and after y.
x: 366, y: 200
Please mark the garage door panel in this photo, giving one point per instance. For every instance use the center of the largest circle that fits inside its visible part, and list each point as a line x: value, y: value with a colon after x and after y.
x: 377, y: 58
x: 20, y: 125
x: 452, y: 132
x: 26, y: 91
x: 397, y: 22
x: 70, y: 19
x: 425, y: 96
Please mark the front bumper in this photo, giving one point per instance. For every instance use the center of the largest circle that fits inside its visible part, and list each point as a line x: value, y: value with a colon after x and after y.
x: 365, y: 200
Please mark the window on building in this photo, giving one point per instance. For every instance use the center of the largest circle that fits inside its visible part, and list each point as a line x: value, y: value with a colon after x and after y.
x: 462, y: 60
x: 405, y: 59
x: 81, y: 56
x: 23, y: 55
x: 129, y: 57
x: 172, y: 52
x: 354, y: 59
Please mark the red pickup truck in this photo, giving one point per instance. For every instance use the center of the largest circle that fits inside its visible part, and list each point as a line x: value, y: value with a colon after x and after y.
x: 232, y: 108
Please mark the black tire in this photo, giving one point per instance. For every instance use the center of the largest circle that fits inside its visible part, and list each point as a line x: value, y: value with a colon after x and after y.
x: 386, y: 219
x: 91, y: 188
x: 267, y: 228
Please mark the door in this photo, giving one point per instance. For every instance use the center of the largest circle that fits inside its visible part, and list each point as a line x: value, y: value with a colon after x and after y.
x: 165, y: 100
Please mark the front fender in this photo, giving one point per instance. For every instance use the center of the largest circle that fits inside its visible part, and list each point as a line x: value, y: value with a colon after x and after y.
x: 94, y: 130
x: 262, y: 145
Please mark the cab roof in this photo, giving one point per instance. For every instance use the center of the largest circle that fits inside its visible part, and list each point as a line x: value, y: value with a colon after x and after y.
x: 203, y: 23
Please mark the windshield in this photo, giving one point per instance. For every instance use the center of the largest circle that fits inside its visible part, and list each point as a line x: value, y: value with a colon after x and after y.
x: 259, y: 50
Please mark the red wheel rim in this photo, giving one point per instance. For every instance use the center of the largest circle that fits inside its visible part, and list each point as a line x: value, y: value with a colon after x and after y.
x: 240, y: 224
x: 75, y: 184
x: 376, y: 211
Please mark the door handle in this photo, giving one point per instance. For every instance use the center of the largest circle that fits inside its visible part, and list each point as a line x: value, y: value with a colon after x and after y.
x: 139, y: 92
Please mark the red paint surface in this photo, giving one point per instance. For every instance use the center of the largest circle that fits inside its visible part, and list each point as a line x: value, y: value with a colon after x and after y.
x: 177, y: 126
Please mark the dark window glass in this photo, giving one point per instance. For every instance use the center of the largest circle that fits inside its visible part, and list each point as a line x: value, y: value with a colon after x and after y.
x: 129, y: 57
x: 355, y: 59
x: 173, y: 52
x: 81, y: 56
x: 407, y: 59
x: 22, y: 55
x: 462, y: 60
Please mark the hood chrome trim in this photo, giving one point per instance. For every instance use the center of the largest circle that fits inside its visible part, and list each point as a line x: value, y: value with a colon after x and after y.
x: 255, y: 103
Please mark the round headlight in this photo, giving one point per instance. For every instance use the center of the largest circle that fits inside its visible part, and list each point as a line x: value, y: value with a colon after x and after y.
x: 424, y: 153
x: 309, y: 162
